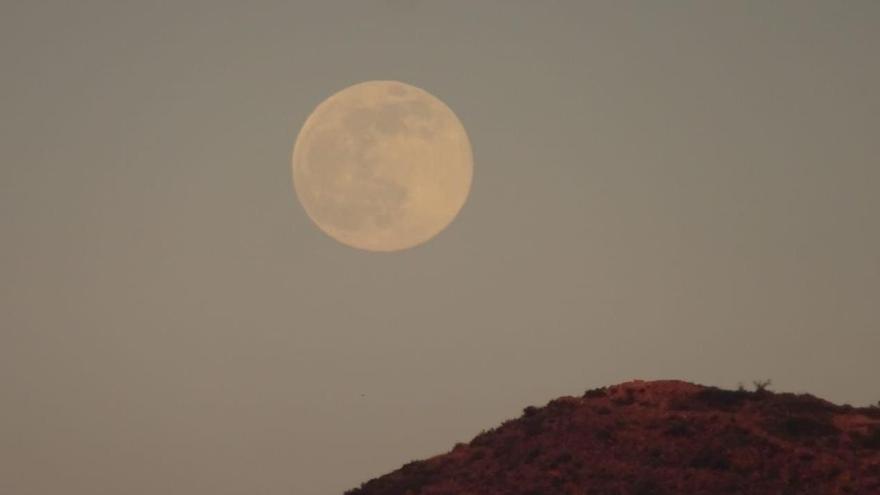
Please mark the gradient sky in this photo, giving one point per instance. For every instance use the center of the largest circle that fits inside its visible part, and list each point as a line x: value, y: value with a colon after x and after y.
x: 662, y: 190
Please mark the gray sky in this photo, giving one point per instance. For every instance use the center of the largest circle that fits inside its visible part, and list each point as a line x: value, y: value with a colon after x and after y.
x: 661, y: 190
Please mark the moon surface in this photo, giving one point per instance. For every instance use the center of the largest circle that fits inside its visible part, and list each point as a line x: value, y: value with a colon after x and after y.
x: 382, y: 166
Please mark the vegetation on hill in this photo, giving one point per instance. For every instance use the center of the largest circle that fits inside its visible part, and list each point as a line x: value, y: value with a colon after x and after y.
x: 660, y: 438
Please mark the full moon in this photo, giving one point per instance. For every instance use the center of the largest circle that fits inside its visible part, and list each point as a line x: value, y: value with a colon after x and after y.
x: 382, y: 166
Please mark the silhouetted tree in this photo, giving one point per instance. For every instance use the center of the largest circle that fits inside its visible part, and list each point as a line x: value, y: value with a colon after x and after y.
x: 761, y: 385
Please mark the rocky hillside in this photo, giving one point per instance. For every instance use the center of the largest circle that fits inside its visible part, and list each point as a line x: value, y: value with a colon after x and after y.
x: 659, y: 438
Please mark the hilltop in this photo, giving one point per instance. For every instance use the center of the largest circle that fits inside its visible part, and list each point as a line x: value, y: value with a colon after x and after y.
x: 659, y: 438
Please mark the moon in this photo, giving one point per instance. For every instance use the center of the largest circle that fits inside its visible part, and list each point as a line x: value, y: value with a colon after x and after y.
x: 382, y: 166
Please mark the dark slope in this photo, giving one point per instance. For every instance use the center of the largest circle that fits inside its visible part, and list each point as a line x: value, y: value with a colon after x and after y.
x: 659, y: 438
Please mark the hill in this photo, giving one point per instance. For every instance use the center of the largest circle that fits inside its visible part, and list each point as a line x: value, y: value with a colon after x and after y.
x: 659, y: 438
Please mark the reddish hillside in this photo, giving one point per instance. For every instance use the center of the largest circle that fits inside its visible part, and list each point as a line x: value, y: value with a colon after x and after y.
x: 659, y: 438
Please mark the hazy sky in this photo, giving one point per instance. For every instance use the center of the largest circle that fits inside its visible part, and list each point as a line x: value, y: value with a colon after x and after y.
x: 661, y: 190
